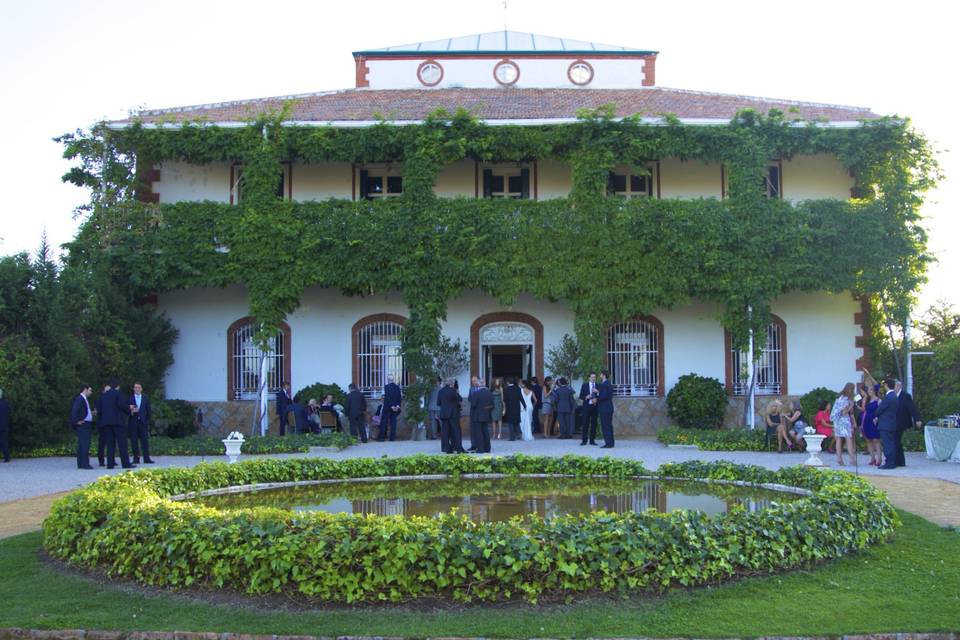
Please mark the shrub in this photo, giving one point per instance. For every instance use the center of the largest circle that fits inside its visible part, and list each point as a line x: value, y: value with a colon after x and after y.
x: 318, y: 390
x: 810, y: 401
x: 945, y: 405
x: 207, y: 445
x: 697, y: 402
x: 747, y: 440
x: 347, y: 558
x: 173, y: 419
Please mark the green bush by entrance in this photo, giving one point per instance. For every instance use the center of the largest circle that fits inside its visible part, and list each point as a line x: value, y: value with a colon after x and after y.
x: 127, y: 526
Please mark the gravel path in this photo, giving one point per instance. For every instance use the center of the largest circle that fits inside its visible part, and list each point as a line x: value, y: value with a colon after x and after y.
x: 40, y: 476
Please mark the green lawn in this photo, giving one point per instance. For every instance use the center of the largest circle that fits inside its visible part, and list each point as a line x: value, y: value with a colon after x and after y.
x: 911, y: 584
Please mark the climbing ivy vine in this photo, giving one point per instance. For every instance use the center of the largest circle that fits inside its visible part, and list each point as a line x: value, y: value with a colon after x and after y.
x: 743, y: 251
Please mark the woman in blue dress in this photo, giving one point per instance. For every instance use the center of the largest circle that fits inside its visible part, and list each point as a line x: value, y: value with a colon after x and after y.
x: 869, y: 427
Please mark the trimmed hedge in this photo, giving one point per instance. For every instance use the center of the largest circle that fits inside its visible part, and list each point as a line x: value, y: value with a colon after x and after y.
x: 740, y: 439
x: 697, y: 402
x: 209, y: 445
x: 127, y: 526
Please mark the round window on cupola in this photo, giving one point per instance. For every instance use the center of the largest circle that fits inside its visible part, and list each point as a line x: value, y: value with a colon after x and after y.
x: 430, y: 73
x: 506, y: 72
x: 580, y: 73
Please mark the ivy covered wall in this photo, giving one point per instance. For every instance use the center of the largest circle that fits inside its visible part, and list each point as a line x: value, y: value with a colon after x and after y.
x: 743, y: 251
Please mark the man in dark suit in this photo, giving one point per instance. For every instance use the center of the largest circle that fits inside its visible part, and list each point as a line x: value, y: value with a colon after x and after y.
x: 536, y: 427
x: 605, y: 408
x: 284, y: 400
x: 907, y: 418
x: 356, y: 406
x: 81, y: 419
x: 4, y: 427
x: 449, y: 399
x: 886, y: 420
x: 300, y: 422
x: 139, y: 424
x: 481, y: 410
x: 512, y: 404
x: 588, y: 410
x: 474, y: 422
x: 564, y: 403
x: 104, y: 435
x: 392, y: 403
x: 113, y: 418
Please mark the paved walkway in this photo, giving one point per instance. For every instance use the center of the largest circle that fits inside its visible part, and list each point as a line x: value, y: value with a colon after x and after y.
x: 926, y: 487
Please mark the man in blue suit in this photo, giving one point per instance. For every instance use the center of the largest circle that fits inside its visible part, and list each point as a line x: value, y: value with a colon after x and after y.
x: 113, y: 418
x: 392, y: 402
x: 4, y: 427
x: 886, y: 419
x: 81, y: 418
x: 139, y: 424
x: 605, y: 409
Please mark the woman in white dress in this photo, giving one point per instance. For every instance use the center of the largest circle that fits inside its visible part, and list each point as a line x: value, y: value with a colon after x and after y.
x: 526, y: 413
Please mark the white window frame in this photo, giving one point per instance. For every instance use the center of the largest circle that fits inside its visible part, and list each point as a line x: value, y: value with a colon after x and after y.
x: 384, y: 173
x: 630, y: 172
x: 506, y: 172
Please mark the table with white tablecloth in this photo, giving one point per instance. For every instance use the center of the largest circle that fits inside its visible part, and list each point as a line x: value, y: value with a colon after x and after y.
x: 943, y: 443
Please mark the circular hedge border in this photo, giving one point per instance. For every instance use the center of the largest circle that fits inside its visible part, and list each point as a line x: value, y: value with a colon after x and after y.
x: 128, y: 526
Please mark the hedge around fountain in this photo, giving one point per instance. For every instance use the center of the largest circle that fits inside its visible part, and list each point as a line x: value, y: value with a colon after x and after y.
x: 128, y: 527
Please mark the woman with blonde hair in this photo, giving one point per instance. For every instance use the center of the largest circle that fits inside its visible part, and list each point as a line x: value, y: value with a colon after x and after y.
x: 774, y: 420
x: 842, y: 419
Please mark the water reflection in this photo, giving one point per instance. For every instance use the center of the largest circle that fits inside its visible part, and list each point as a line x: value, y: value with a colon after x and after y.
x: 501, y: 499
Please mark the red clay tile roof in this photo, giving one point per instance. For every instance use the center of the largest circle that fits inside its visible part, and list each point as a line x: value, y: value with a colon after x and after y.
x: 502, y: 104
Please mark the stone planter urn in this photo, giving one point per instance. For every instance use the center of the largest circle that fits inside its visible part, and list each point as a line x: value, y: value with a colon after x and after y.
x: 814, y: 445
x: 233, y: 442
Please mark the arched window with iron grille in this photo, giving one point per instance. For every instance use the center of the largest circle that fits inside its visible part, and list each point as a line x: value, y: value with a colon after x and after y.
x: 635, y: 357
x: 770, y: 369
x: 243, y: 360
x: 377, y: 353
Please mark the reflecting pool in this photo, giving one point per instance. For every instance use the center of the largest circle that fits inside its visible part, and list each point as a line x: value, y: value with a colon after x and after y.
x: 497, y: 499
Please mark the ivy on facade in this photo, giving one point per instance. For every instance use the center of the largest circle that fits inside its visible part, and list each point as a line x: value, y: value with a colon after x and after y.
x: 743, y: 251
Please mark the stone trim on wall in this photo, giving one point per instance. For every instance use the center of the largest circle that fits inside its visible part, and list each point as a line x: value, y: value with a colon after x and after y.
x: 287, y: 351
x: 862, y: 341
x: 506, y: 316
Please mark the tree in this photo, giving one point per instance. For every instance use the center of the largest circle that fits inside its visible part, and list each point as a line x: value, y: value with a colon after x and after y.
x: 450, y: 357
x: 565, y: 358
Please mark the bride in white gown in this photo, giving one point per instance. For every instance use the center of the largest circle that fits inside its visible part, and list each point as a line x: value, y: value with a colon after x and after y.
x: 526, y: 413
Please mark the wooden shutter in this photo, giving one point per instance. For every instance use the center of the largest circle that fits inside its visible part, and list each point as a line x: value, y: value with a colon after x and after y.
x: 524, y: 184
x: 488, y: 183
x: 362, y: 185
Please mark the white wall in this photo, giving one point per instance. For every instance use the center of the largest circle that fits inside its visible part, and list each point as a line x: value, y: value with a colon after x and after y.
x: 608, y: 73
x: 817, y: 176
x: 554, y: 179
x: 820, y: 336
x: 322, y: 180
x: 457, y: 179
x: 202, y: 316
x: 689, y: 179
x: 180, y: 181
x: 821, y: 339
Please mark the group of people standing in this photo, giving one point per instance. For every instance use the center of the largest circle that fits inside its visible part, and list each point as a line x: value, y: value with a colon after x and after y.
x: 120, y: 418
x: 881, y: 414
x: 515, y: 407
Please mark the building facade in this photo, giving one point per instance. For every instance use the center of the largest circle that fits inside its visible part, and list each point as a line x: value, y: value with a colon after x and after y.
x: 814, y: 340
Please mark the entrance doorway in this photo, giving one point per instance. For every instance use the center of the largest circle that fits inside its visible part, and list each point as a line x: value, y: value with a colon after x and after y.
x: 506, y: 351
x: 507, y: 361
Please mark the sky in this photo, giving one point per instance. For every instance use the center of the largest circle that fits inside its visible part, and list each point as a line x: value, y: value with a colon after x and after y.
x: 67, y: 64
